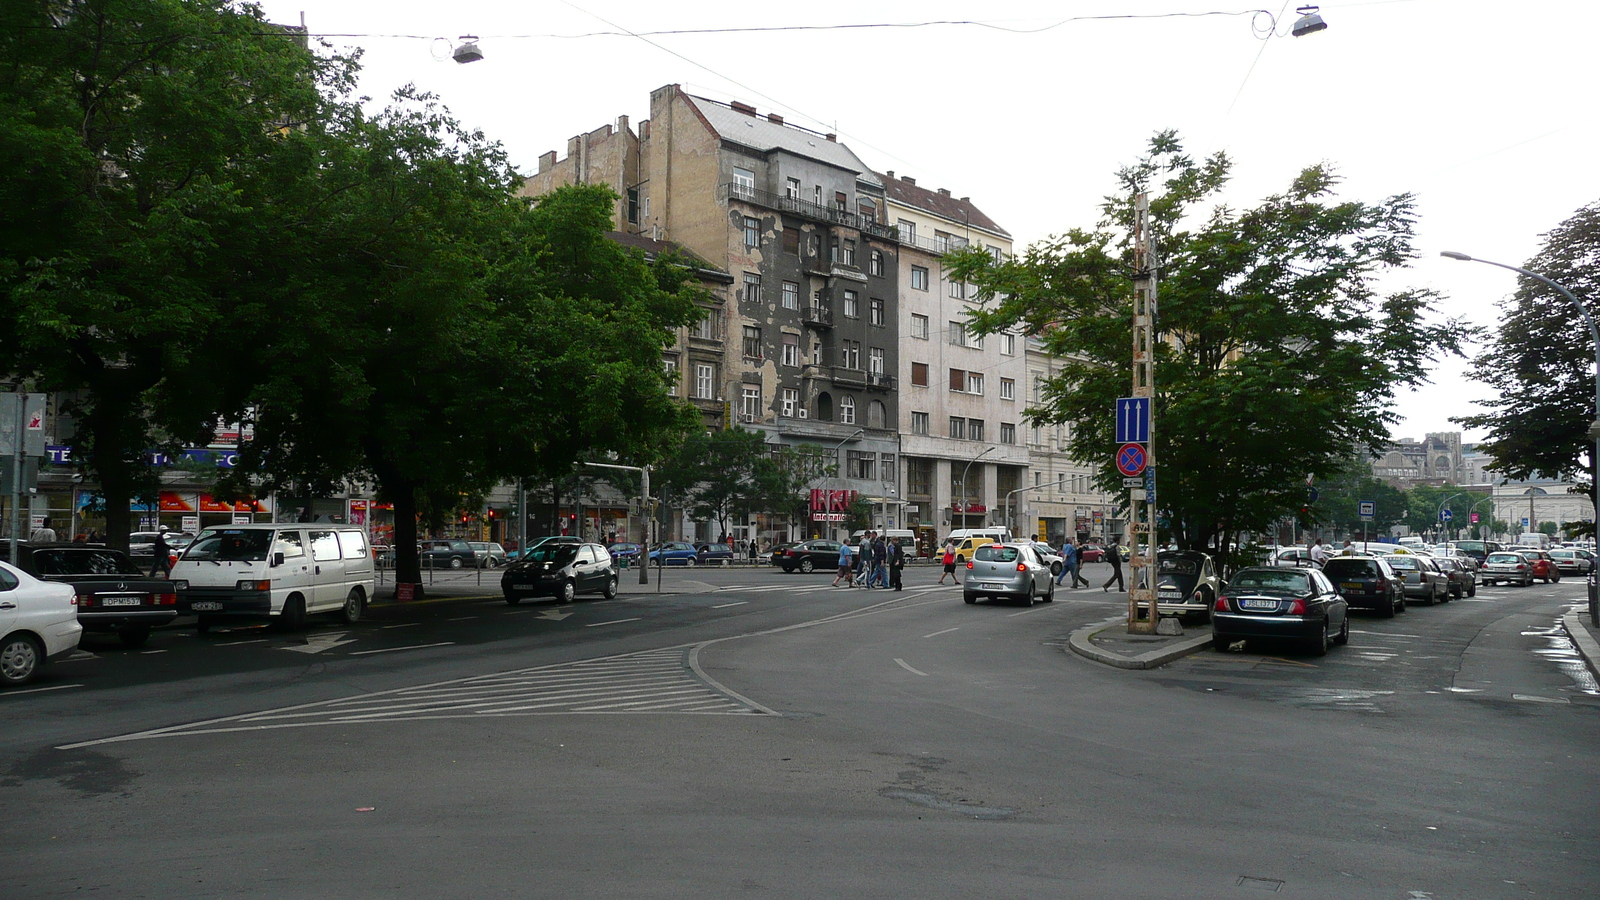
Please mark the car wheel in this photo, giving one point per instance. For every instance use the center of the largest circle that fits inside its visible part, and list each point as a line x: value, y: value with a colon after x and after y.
x: 970, y: 598
x: 569, y: 591
x: 512, y: 599
x: 354, y: 606
x: 20, y: 659
x: 1401, y: 603
x: 806, y: 566
x: 1050, y: 592
x: 203, y: 625
x: 494, y: 563
x: 455, y: 562
x: 1473, y: 591
x: 1343, y: 637
x: 1027, y: 597
x: 1055, y: 570
x: 1428, y: 600
x: 1221, y: 642
x: 610, y: 592
x: 293, y: 616
x: 1318, y: 645
x: 1457, y: 592
x: 134, y: 637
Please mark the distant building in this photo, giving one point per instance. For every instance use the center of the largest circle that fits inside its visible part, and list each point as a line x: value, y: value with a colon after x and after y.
x: 1436, y: 459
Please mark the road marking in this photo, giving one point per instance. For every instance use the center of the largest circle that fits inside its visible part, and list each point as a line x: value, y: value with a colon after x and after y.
x: 1031, y: 609
x: 58, y: 687
x: 397, y: 649
x: 553, y: 615
x: 1386, y: 633
x: 612, y: 622
x: 148, y: 652
x: 316, y: 643
x: 902, y: 664
x: 726, y: 605
x: 405, y: 625
x: 236, y: 643
x: 1535, y: 698
x: 461, y: 618
x: 946, y: 631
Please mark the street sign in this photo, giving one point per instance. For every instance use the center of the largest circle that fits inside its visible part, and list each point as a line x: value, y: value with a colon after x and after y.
x: 1474, y: 518
x: 1150, y: 486
x: 1133, y: 482
x: 1312, y: 495
x: 1524, y: 523
x: 1446, y: 515
x: 1133, y: 420
x: 1367, y: 509
x: 1131, y: 459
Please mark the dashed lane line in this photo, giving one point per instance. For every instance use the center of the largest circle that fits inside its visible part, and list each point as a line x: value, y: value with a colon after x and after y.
x: 398, y: 649
x: 612, y: 622
x: 726, y: 605
x: 902, y: 664
x: 946, y: 631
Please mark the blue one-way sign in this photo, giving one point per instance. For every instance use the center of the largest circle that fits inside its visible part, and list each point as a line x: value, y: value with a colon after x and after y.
x: 1133, y: 420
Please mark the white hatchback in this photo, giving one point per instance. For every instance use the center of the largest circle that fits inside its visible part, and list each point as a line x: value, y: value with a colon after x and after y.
x: 39, y: 621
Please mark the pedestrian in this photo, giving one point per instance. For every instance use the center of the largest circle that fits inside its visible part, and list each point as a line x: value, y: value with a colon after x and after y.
x: 863, y: 558
x: 1349, y: 549
x: 880, y: 559
x: 897, y: 564
x: 1069, y: 557
x: 44, y: 534
x: 949, y: 562
x: 1319, y: 554
x: 846, y: 562
x: 753, y: 551
x: 1114, y: 555
x: 162, y: 551
x: 1077, y: 570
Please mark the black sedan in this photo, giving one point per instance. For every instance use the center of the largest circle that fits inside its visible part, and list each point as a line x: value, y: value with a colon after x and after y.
x: 1272, y: 603
x: 562, y: 571
x: 1367, y: 583
x: 114, y: 594
x: 810, y: 556
x: 1186, y: 584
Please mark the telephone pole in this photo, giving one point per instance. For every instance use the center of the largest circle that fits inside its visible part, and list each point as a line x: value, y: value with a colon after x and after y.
x: 1142, y: 501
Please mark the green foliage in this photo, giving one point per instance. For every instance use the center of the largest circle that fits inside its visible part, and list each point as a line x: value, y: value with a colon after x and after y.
x: 1339, y: 498
x: 858, y: 515
x: 1425, y: 501
x: 1278, y: 354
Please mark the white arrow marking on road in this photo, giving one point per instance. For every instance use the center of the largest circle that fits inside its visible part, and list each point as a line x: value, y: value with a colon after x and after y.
x: 902, y: 664
x: 553, y: 616
x: 316, y: 643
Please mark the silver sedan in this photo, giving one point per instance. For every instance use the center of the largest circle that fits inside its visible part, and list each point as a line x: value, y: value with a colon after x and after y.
x: 1009, y: 571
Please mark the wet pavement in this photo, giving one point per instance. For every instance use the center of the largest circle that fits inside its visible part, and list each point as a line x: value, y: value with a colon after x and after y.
x: 1110, y: 643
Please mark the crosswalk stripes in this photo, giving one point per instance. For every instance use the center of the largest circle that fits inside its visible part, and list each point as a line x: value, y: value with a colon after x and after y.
x: 656, y: 681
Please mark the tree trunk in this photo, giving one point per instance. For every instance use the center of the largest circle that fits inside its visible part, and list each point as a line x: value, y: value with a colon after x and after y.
x: 407, y: 561
x: 115, y: 460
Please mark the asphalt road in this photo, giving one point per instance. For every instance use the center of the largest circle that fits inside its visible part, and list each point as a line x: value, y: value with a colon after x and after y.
x: 765, y: 735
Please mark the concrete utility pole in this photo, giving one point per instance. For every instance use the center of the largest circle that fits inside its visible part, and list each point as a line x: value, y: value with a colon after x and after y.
x: 1142, y: 502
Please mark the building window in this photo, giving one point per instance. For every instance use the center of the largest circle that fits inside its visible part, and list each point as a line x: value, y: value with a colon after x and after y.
x: 869, y: 210
x: 849, y: 256
x: 861, y: 464
x: 833, y: 250
x: 1008, y: 432
x: 852, y: 305
x: 958, y: 379
x: 752, y: 233
x: 919, y: 278
x: 974, y: 381
x: 705, y: 381
x: 752, y: 342
x: 919, y: 423
x: 919, y: 374
x: 750, y: 401
x: 791, y: 349
x: 908, y: 232
x: 875, y: 262
x: 958, y: 290
x: 919, y: 326
x: 957, y: 333
x: 791, y: 295
x: 752, y: 287
x: 669, y: 365
x: 790, y: 403
x: 816, y: 194
x: 847, y: 410
x: 1008, y: 389
x: 708, y: 328
x: 840, y: 201
x: 1008, y: 344
x: 875, y: 310
x: 850, y: 355
x: 958, y: 428
x: 1036, y: 436
x: 791, y: 241
x: 875, y: 360
x: 877, y: 417
x: 744, y: 182
x: 633, y: 205
x: 791, y: 188
x: 975, y: 429
x: 814, y: 245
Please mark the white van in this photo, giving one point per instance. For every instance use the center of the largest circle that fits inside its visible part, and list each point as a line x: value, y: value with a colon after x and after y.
x: 905, y: 537
x: 998, y: 535
x: 278, y: 572
x: 1535, y: 539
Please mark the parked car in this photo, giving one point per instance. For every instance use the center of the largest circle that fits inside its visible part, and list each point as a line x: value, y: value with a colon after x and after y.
x: 451, y: 554
x: 1007, y: 571
x: 1274, y: 602
x: 1367, y: 583
x: 1572, y: 561
x: 809, y: 556
x: 1422, y: 578
x: 1543, y: 566
x: 1292, y: 557
x: 674, y: 553
x: 713, y: 554
x: 1462, y: 575
x: 38, y: 624
x: 1508, y: 567
x: 1051, y: 557
x: 1479, y: 550
x: 1186, y: 584
x: 278, y: 573
x: 1092, y: 553
x: 114, y: 594
x: 487, y: 555
x: 624, y: 550
x: 561, y: 570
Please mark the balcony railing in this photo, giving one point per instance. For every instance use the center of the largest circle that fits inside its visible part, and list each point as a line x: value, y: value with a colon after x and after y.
x: 881, y: 381
x: 818, y: 316
x: 805, y: 208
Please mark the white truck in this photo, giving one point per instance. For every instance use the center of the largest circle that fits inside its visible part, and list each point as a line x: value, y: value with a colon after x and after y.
x: 1537, y: 540
x: 280, y: 573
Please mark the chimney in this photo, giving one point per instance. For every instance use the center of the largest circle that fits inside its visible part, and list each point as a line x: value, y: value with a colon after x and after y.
x: 774, y: 118
x: 573, y: 145
x: 547, y: 161
x: 908, y: 179
x: 944, y: 192
x: 644, y: 129
x: 833, y: 137
x: 622, y: 123
x: 890, y: 173
x: 966, y: 199
x: 745, y: 108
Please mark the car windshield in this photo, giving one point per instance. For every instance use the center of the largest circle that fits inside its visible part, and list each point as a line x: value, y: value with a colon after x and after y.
x: 560, y: 554
x: 1169, y: 566
x: 996, y: 554
x: 1510, y: 558
x: 1260, y: 579
x: 1349, y: 568
x: 230, y: 545
x: 1401, y: 562
x: 72, y: 561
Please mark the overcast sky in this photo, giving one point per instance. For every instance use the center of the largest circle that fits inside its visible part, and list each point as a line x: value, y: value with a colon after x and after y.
x: 1484, y: 110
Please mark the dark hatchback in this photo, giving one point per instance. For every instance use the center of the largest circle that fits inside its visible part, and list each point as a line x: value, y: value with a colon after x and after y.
x: 1274, y: 603
x: 810, y: 556
x: 1367, y: 583
x: 114, y: 594
x: 562, y: 571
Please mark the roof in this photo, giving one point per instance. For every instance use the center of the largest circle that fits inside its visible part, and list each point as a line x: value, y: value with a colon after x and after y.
x: 760, y: 133
x: 653, y: 248
x: 905, y: 191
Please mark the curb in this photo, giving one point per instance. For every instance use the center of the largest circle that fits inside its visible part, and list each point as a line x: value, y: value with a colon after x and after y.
x: 1583, y: 640
x: 1081, y: 645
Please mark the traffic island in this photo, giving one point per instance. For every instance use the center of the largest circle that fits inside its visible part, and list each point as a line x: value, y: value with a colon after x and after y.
x: 1110, y: 643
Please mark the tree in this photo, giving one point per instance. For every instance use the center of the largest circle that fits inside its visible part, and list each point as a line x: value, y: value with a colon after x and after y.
x: 1540, y: 366
x: 133, y: 134
x: 1278, y: 354
x: 1339, y: 498
x: 1425, y: 501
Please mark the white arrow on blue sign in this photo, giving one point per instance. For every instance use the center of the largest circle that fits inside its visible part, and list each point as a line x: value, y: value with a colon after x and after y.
x: 1446, y: 515
x: 1133, y: 420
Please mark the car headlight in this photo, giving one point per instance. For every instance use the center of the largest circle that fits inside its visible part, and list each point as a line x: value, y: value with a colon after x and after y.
x: 180, y: 584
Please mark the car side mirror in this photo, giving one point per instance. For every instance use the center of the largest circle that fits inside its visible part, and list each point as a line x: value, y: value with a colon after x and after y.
x: 277, y: 558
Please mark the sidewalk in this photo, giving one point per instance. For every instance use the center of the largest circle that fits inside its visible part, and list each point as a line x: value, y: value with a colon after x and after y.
x: 1110, y: 643
x: 1585, y: 637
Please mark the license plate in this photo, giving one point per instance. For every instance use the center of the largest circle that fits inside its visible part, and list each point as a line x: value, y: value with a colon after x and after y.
x: 991, y: 587
x: 1257, y: 603
x: 1170, y: 595
x: 120, y: 601
x: 205, y: 606
x: 1351, y: 586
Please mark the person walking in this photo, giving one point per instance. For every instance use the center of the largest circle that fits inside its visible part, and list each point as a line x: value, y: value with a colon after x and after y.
x: 1114, y: 556
x: 1319, y: 554
x: 162, y: 551
x: 949, y: 562
x: 1077, y: 570
x: 897, y: 564
x: 846, y: 564
x: 880, y: 561
x: 44, y: 534
x: 864, y: 560
x: 1069, y: 562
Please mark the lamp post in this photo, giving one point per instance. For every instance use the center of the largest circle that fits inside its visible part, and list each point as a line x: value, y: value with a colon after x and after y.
x: 1594, y: 429
x: 964, y: 483
x: 1022, y: 490
x: 1439, y: 515
x: 1474, y: 507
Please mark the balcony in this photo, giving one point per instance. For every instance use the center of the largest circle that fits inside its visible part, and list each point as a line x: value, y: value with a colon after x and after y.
x: 880, y: 381
x: 806, y: 209
x: 817, y: 316
x: 842, y: 375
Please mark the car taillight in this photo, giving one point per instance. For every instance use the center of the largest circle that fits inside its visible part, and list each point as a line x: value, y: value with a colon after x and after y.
x: 790, y: 553
x: 1222, y: 604
x: 1022, y: 567
x: 969, y: 563
x: 166, y: 599
x: 1297, y: 607
x: 83, y: 600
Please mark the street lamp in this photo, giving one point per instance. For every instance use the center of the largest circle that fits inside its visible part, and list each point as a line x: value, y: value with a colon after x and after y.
x: 1439, y: 516
x: 1594, y: 333
x: 964, y: 483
